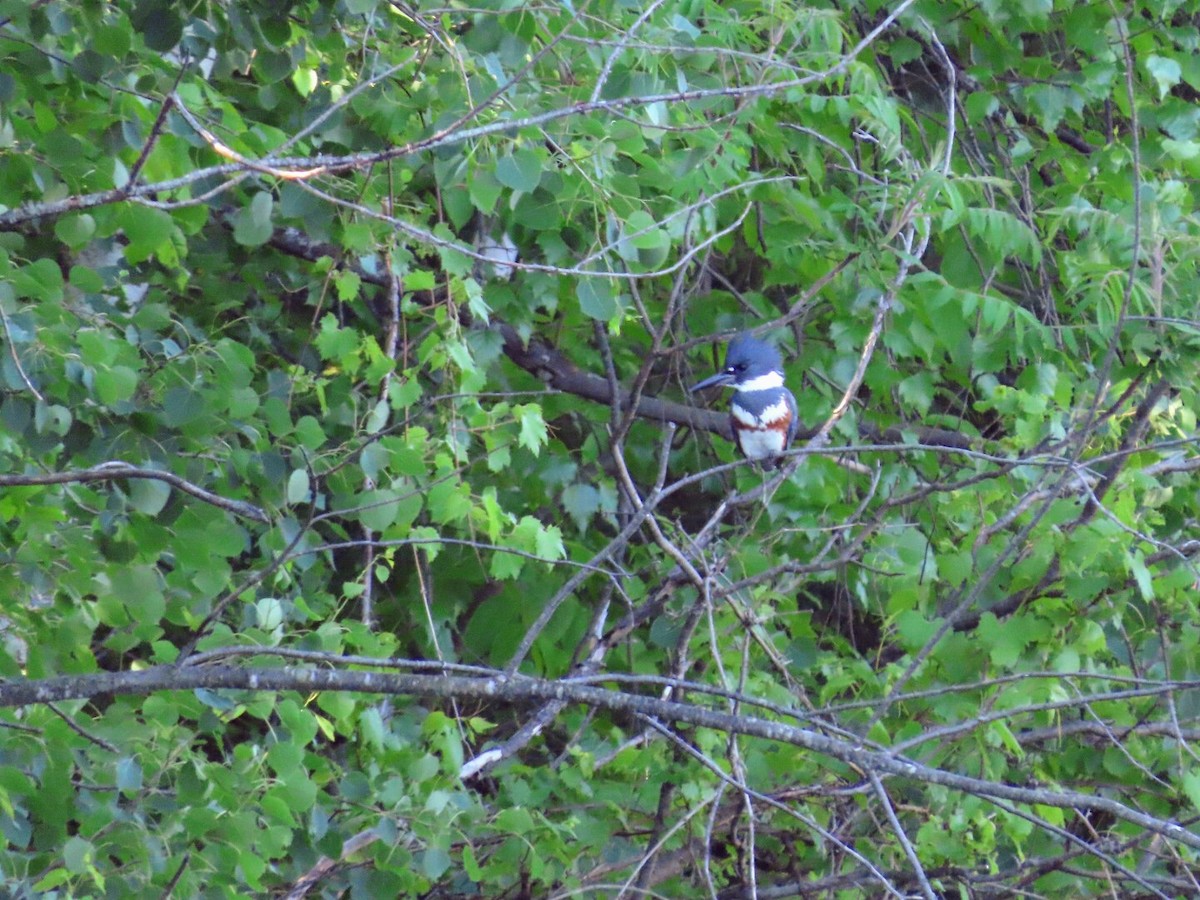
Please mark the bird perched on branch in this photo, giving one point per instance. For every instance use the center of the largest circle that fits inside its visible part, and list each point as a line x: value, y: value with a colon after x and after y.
x: 763, y: 411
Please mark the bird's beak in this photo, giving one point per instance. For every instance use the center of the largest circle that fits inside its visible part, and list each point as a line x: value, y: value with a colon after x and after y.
x: 721, y: 378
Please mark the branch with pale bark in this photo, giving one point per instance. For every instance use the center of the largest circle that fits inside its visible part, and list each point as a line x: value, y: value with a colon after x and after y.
x: 116, y: 470
x: 500, y: 688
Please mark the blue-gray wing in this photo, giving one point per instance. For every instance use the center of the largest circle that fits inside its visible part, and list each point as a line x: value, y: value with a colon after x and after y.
x: 795, y: 420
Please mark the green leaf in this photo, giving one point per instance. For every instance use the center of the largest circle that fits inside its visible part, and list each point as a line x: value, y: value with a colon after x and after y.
x: 471, y: 867
x: 85, y: 279
x: 358, y: 237
x: 520, y: 171
x: 129, y: 775
x: 434, y: 862
x: 336, y: 344
x: 979, y: 105
x: 115, y: 384
x: 1141, y: 574
x: 305, y: 81
x: 914, y: 629
x: 534, y: 433
x: 78, y: 854
x: 596, y: 298
x: 243, y: 402
x: 374, y: 458
x: 505, y: 566
x: 348, y: 284
x: 51, y: 418
x: 1007, y: 644
x: 1191, y: 786
x: 299, y: 490
x: 55, y: 878
x: 159, y: 24
x: 148, y: 231
x: 385, y: 508
x: 75, y: 231
x: 448, y: 502
x: 149, y: 495
x: 1165, y: 72
x: 917, y: 390
x: 515, y: 820
x: 268, y: 613
x: 581, y: 501
x: 1181, y: 150
x: 378, y: 418
x: 252, y: 224
x: 549, y: 543
x: 41, y: 280
x: 484, y: 190
x: 309, y: 433
x: 139, y: 590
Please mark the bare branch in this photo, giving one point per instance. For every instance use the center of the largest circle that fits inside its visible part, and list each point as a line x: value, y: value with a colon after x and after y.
x: 111, y: 471
x: 517, y: 689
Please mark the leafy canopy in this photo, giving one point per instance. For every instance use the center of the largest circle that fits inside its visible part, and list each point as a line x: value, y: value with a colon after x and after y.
x: 359, y: 536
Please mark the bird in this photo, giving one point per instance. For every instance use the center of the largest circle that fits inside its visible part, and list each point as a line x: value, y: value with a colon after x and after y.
x: 763, y: 412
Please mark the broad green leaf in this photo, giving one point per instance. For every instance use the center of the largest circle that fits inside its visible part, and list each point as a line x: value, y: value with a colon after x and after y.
x: 268, y: 613
x: 78, y: 854
x: 305, y: 81
x: 434, y: 862
x: 299, y: 489
x: 252, y: 224
x: 129, y: 775
x: 485, y: 190
x: 149, y: 495
x: 373, y: 460
x: 581, y: 501
x: 75, y: 231
x: 158, y: 23
x: 549, y: 543
x: 534, y: 433
x: 1141, y: 575
x: 85, y: 279
x: 1165, y: 72
x: 448, y: 502
x: 596, y: 298
x: 115, y: 384
x: 335, y: 343
x: 1191, y: 786
x: 385, y: 508
x: 348, y: 284
x: 520, y: 170
x: 41, y: 280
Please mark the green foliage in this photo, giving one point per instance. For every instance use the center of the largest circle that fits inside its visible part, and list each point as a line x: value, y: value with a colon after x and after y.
x: 342, y: 281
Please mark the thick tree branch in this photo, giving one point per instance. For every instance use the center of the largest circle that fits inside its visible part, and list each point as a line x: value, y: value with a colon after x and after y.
x: 553, y: 367
x: 548, y: 364
x: 501, y: 688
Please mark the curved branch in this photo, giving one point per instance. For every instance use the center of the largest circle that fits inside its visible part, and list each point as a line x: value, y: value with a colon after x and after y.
x: 108, y: 471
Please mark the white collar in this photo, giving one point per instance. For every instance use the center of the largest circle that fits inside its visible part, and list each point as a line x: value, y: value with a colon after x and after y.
x: 761, y: 383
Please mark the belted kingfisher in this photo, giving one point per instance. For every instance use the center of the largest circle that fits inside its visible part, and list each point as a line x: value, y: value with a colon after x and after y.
x: 763, y: 411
